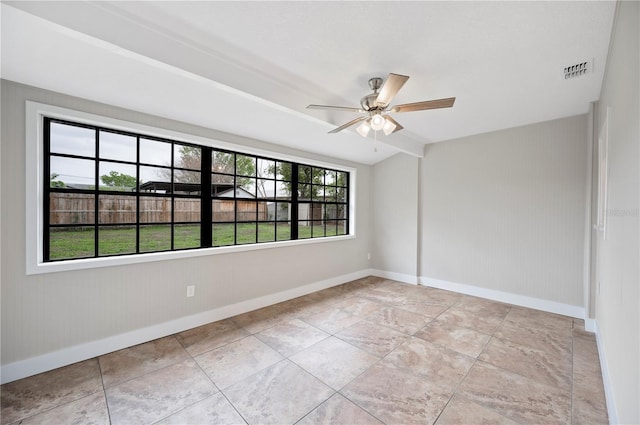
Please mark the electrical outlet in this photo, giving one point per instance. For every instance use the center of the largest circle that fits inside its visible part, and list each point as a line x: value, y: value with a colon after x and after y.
x: 191, y: 290
x: 368, y: 256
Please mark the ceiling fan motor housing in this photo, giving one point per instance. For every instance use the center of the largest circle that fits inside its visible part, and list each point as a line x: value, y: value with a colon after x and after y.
x: 368, y: 102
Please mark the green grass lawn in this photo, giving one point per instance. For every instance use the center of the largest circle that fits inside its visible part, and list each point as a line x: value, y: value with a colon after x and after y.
x: 79, y: 242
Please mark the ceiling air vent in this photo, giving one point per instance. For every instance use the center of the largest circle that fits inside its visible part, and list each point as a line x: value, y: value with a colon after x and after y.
x: 578, y: 69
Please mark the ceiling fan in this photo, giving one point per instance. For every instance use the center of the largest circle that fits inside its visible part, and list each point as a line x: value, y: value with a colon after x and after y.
x: 375, y: 106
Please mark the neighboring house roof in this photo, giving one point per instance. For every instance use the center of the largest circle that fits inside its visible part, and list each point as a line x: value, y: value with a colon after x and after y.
x: 80, y: 186
x: 224, y: 190
x: 239, y: 193
x: 167, y: 187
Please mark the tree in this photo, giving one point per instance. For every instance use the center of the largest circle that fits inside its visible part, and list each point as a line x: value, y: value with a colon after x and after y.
x: 339, y: 191
x: 190, y: 157
x: 265, y: 171
x: 222, y: 162
x: 118, y: 180
x: 306, y: 176
x: 53, y: 182
x: 229, y: 163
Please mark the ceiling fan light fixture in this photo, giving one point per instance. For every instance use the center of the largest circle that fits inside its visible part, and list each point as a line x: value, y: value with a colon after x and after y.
x: 377, y: 122
x: 388, y: 127
x: 363, y: 129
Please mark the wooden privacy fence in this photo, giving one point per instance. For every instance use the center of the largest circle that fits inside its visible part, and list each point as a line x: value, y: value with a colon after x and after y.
x: 71, y: 208
x: 223, y: 210
x: 79, y: 208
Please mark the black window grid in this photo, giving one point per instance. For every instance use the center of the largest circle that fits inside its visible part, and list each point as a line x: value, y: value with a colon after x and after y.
x: 284, y: 227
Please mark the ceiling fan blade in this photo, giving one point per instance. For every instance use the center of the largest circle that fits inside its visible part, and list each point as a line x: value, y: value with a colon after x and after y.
x: 349, y: 124
x: 397, y: 124
x: 427, y: 104
x: 341, y: 108
x: 390, y: 88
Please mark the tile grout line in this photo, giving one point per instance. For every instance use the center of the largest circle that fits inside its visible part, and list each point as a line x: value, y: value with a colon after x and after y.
x: 210, y: 380
x: 334, y: 392
x: 475, y: 361
x: 359, y: 375
x: 20, y: 420
x: 104, y: 390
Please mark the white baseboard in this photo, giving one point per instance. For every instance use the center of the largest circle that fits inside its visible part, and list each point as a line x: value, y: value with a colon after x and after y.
x: 506, y: 297
x: 49, y: 361
x: 400, y: 277
x: 606, y: 380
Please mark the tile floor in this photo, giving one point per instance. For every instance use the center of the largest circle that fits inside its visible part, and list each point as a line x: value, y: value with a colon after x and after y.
x: 371, y: 351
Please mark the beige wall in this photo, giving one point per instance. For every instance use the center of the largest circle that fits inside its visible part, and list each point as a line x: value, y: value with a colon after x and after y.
x: 505, y: 211
x: 617, y: 258
x: 395, y: 216
x: 55, y: 311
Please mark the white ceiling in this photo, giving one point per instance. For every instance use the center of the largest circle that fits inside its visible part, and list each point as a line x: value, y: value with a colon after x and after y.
x: 250, y: 68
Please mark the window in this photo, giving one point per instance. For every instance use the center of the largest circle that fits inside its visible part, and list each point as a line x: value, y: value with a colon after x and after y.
x: 109, y: 192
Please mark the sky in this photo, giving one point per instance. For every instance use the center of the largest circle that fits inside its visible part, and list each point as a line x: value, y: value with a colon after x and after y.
x: 80, y: 142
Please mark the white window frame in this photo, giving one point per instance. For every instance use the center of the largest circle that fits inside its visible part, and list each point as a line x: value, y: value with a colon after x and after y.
x: 35, y: 113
